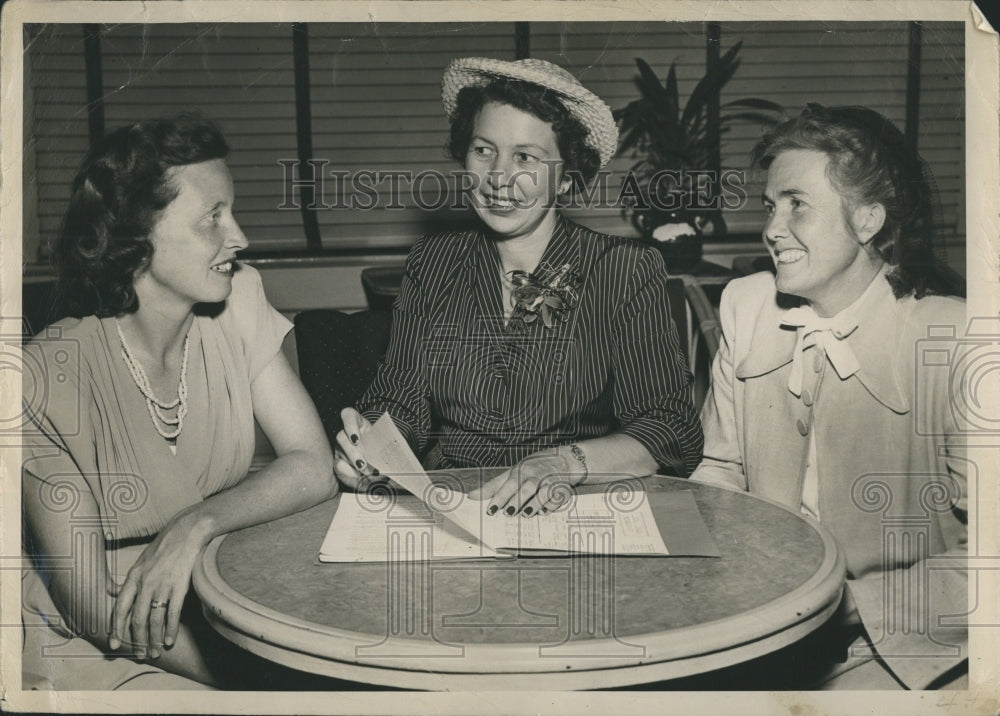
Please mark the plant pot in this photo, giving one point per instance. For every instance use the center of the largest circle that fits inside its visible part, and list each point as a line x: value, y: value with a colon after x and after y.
x: 680, y: 244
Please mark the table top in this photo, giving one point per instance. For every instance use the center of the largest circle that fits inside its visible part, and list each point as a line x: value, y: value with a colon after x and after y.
x: 530, y: 623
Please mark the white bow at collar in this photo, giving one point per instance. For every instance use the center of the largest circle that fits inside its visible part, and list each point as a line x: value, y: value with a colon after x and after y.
x: 828, y: 334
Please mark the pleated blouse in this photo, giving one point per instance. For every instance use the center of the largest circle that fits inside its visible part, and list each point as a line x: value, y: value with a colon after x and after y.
x: 87, y: 422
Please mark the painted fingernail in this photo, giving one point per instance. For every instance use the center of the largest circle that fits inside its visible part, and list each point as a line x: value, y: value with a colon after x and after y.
x: 493, y: 510
x: 510, y: 510
x: 375, y: 472
x: 354, y: 439
x: 360, y: 463
x: 528, y: 510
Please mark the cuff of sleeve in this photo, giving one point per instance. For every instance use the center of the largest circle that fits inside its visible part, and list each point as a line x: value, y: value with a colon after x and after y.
x: 667, y: 447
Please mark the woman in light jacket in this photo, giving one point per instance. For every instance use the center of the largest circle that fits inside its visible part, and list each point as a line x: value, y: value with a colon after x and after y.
x: 831, y: 395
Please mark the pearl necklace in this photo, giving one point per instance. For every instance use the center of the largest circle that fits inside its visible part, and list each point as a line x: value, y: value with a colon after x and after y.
x: 156, y: 406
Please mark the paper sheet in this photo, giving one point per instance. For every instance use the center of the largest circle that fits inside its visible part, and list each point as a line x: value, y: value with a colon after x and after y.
x: 400, y: 528
x: 384, y: 448
x: 588, y: 525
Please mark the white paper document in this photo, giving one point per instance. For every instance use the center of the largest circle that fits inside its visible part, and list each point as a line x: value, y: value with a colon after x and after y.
x: 436, y: 522
x: 401, y: 527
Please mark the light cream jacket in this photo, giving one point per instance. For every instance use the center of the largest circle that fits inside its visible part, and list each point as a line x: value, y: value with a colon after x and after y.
x: 889, y: 455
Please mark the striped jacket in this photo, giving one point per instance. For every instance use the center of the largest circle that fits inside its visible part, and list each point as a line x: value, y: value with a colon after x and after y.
x: 488, y: 394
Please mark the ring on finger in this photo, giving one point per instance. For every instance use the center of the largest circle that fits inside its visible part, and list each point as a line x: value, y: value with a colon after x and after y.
x: 157, y: 604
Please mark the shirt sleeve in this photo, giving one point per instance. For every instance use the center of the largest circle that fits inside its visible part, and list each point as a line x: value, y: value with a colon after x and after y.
x: 400, y: 384
x: 722, y: 463
x: 652, y: 399
x: 260, y: 327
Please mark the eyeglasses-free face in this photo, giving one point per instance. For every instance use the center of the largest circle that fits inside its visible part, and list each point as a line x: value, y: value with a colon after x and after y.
x: 195, y: 240
x: 515, y: 159
x: 817, y: 240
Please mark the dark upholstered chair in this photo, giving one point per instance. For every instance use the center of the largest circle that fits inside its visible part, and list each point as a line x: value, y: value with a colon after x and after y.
x: 36, y: 307
x: 338, y: 353
x: 381, y: 285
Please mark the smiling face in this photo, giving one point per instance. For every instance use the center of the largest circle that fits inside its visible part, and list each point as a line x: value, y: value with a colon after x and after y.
x: 516, y: 160
x: 816, y: 239
x: 195, y: 240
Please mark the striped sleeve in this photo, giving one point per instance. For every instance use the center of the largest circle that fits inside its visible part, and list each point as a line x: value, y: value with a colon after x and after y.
x: 652, y: 398
x: 400, y: 385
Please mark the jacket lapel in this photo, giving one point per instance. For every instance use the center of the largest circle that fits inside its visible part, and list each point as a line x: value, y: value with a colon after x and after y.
x: 878, y: 314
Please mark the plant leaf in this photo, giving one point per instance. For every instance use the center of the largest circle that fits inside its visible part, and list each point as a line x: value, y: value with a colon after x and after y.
x: 649, y: 83
x: 754, y: 103
x: 713, y: 82
x: 673, y: 99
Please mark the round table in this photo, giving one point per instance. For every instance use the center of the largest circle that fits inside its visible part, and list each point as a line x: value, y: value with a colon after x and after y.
x: 578, y: 622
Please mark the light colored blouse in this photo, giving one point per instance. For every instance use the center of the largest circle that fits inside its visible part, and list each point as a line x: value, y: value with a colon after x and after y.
x: 88, y: 419
x: 87, y: 428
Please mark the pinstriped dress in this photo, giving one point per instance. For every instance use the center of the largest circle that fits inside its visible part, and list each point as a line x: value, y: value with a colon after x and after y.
x: 485, y: 392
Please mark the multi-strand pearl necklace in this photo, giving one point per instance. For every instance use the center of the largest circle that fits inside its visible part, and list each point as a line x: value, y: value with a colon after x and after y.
x: 157, y: 408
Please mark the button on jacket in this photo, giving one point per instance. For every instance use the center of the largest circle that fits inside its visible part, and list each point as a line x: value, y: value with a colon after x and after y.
x: 889, y: 452
x: 489, y: 394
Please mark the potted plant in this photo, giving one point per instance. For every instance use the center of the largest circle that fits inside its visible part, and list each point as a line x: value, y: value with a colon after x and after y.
x: 673, y: 144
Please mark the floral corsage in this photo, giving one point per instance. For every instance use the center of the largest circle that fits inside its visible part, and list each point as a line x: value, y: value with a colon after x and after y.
x: 551, y: 299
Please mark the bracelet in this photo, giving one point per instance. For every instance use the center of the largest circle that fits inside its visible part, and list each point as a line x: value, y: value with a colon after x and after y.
x: 577, y: 452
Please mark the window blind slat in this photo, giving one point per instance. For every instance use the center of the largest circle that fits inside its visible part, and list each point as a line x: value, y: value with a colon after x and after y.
x: 376, y: 103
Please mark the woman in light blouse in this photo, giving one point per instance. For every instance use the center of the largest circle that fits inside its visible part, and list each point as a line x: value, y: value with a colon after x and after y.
x: 140, y: 418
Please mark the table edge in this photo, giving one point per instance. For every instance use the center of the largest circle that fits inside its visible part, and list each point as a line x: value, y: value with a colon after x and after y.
x: 278, y: 629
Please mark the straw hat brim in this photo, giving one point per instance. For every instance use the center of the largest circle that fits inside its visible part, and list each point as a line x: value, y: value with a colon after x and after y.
x: 587, y: 107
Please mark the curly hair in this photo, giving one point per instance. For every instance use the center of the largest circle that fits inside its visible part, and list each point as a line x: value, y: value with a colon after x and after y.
x: 581, y: 162
x: 114, y: 204
x: 870, y: 163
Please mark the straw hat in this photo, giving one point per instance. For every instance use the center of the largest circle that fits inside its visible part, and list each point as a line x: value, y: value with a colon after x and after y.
x: 587, y: 107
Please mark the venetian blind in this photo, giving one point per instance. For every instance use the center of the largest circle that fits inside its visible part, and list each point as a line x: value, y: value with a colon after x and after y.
x: 376, y: 112
x: 376, y: 106
x: 602, y: 56
x: 57, y: 84
x: 790, y: 63
x: 797, y: 63
x: 941, y: 138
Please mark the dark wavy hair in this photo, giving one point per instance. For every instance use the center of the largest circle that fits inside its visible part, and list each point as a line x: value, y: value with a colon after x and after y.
x: 116, y: 198
x: 581, y: 162
x: 871, y: 163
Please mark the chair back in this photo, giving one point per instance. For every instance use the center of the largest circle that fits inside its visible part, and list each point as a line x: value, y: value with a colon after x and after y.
x: 679, y: 312
x: 381, y: 285
x: 338, y: 355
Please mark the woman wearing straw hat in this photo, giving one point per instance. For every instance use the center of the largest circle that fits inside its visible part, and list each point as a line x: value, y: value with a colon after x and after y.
x: 531, y: 342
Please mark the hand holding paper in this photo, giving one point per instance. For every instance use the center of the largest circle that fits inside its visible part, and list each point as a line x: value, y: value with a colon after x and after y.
x: 446, y: 524
x: 349, y: 465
